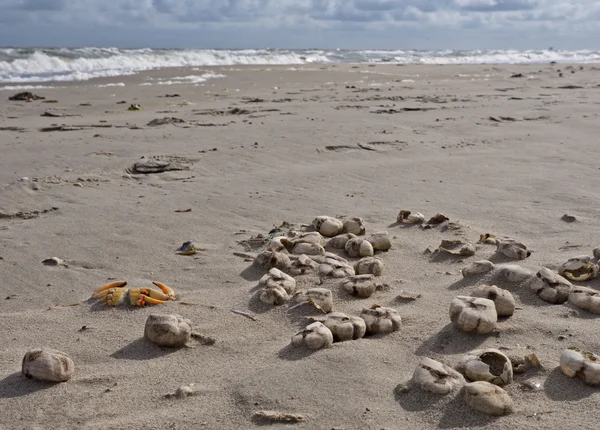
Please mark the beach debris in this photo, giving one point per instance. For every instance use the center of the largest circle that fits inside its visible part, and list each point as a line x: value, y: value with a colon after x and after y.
x: 516, y: 75
x: 488, y: 398
x: 369, y: 265
x: 362, y: 286
x: 54, y: 261
x: 596, y: 253
x: 354, y: 225
x: 407, y: 217
x: 503, y: 299
x: 568, y: 218
x: 488, y: 239
x: 320, y: 298
x: 579, y: 268
x: 438, y: 219
x: 115, y: 293
x: 155, y: 164
x: 379, y: 319
x: 168, y: 330
x: 473, y: 314
x: 307, y: 248
x: 183, y: 210
x: 134, y: 107
x: 276, y: 287
x: 489, y: 365
x: 184, y: 391
x: 477, y: 268
x: 380, y: 241
x: 432, y: 376
x: 514, y: 273
x: 585, y: 365
x: 512, y: 248
x: 403, y: 296
x: 47, y: 365
x: 335, y: 268
x: 268, y: 259
x: 555, y: 289
x: 187, y: 248
x: 166, y: 120
x: 585, y: 298
x: 301, y: 265
x: 531, y: 385
x: 244, y: 314
x: 457, y: 247
x: 25, y: 96
x: 328, y: 226
x: 344, y: 327
x: 359, y: 247
x: 339, y: 241
x: 314, y: 336
x: 279, y: 417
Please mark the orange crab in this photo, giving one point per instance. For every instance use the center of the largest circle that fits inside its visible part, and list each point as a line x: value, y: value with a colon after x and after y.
x: 115, y: 293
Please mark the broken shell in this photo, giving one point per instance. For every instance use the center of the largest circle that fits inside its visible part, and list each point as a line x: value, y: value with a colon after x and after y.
x: 380, y: 319
x: 332, y: 268
x: 488, y: 239
x: 407, y: 217
x: 268, y: 259
x: 359, y: 247
x: 473, y: 314
x: 362, y: 286
x: 355, y: 226
x: 301, y: 265
x: 435, y: 377
x: 513, y: 249
x: 438, y: 219
x: 488, y: 398
x: 579, y: 268
x: 47, y: 365
x: 308, y: 249
x: 489, y: 365
x: 503, y: 299
x: 328, y: 226
x: 369, y: 265
x: 477, y: 268
x: 276, y: 245
x: 555, y: 289
x: 321, y: 298
x: 314, y: 336
x: 514, y: 273
x: 307, y: 237
x: 276, y: 287
x: 274, y: 295
x: 344, y: 327
x: 168, y: 330
x: 585, y: 298
x: 457, y: 247
x: 380, y: 241
x: 339, y: 242
x: 585, y: 365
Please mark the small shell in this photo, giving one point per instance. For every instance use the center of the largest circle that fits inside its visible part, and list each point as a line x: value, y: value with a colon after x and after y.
x: 344, y: 327
x: 339, y: 241
x: 302, y: 265
x: 335, y: 269
x: 514, y: 273
x: 576, y: 363
x: 355, y: 226
x: 503, y: 299
x: 435, y: 377
x: 407, y: 217
x: 477, y: 268
x: 362, y: 286
x: 328, y: 226
x: 359, y: 247
x: 513, y: 249
x: 579, y: 268
x: 554, y: 289
x: 380, y: 241
x: 321, y: 298
x: 488, y: 398
x: 585, y: 298
x: 369, y: 265
x: 307, y: 248
x: 168, y: 330
x: 381, y: 320
x: 47, y: 365
x: 473, y: 314
x: 457, y: 247
x: 267, y: 260
x: 314, y: 336
x: 489, y: 365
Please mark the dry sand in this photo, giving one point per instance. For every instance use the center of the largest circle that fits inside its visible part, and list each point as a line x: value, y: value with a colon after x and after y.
x: 293, y: 156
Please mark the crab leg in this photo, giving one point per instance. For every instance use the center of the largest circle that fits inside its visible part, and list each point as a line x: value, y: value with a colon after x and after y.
x: 139, y: 298
x: 104, y: 290
x: 168, y: 291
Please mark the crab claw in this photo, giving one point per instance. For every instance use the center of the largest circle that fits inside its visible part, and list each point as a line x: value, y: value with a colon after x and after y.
x: 141, y: 297
x: 105, y: 289
x: 113, y: 296
x: 168, y: 291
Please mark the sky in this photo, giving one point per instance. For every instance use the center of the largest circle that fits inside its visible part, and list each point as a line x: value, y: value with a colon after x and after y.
x: 345, y: 24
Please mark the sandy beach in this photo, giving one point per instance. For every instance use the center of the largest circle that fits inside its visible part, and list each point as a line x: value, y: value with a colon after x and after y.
x: 506, y: 150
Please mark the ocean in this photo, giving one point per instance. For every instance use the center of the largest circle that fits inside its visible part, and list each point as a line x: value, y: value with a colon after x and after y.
x: 31, y: 67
